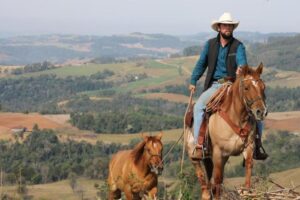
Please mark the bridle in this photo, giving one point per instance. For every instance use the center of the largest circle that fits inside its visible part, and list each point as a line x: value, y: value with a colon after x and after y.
x: 248, y: 102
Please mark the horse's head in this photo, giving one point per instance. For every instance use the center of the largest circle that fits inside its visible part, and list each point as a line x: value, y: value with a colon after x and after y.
x: 252, y: 91
x: 153, y: 152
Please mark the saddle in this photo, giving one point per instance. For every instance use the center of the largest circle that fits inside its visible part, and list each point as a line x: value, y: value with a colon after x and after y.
x: 203, y: 149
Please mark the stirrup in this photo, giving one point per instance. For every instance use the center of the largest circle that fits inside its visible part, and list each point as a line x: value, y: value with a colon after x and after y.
x: 199, y: 147
x: 258, y: 155
x: 197, y: 153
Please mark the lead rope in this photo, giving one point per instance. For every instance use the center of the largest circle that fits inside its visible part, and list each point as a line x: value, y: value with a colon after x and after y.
x: 184, y: 131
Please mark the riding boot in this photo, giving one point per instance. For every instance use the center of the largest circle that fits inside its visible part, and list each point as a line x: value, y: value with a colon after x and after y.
x: 258, y: 154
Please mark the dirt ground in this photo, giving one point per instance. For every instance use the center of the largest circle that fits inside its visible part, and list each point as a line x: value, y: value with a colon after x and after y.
x: 8, y: 121
x: 168, y: 96
x: 289, y: 121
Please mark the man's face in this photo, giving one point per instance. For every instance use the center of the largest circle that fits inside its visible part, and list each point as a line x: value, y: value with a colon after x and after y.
x: 226, y: 30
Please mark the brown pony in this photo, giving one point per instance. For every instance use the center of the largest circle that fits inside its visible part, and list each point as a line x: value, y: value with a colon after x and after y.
x: 135, y: 171
x: 243, y: 104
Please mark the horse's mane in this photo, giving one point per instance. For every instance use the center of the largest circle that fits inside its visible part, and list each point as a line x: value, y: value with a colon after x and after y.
x: 250, y: 71
x: 138, y: 151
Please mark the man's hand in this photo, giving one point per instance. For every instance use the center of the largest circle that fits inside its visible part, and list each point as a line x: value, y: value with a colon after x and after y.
x: 192, y: 88
x: 238, y: 71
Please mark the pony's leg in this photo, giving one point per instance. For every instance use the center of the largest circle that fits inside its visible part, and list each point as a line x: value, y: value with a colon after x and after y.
x: 218, y: 171
x: 248, y: 165
x: 112, y: 195
x: 203, y: 181
x: 128, y: 193
x: 113, y: 191
x: 152, y: 193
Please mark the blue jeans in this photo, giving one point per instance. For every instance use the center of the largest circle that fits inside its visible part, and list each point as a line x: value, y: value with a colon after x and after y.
x: 200, y: 106
x: 260, y: 127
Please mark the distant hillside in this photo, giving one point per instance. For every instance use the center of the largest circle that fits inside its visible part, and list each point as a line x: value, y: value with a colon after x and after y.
x: 22, y: 50
x: 278, y: 52
x: 245, y: 36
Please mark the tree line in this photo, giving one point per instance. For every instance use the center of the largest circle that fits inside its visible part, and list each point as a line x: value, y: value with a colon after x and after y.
x: 35, y: 67
x: 43, y: 158
x: 37, y: 94
x: 125, y: 114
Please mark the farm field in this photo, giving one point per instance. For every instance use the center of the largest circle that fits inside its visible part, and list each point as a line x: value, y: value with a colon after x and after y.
x: 275, y: 121
x: 160, y: 73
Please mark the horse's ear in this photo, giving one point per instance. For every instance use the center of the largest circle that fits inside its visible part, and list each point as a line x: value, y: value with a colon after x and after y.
x: 145, y: 137
x: 159, y: 136
x: 259, y: 69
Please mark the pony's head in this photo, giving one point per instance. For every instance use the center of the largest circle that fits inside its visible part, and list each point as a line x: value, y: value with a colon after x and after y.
x: 252, y: 91
x: 153, y: 150
x: 150, y: 149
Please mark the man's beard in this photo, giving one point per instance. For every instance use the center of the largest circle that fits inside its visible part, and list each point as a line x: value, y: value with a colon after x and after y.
x: 226, y: 37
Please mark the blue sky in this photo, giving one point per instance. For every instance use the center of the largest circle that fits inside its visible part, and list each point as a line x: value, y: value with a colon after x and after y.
x: 106, y: 17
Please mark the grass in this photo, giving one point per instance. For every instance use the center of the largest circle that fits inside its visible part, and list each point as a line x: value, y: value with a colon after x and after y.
x: 84, y: 70
x: 156, y: 64
x: 57, y: 190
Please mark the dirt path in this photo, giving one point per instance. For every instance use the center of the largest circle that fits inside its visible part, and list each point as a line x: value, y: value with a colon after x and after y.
x: 176, y: 66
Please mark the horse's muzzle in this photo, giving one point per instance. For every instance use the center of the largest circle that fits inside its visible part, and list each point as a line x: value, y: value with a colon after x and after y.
x: 157, y: 169
x: 260, y: 113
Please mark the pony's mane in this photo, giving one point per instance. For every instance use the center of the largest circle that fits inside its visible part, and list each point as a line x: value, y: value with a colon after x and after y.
x: 138, y: 151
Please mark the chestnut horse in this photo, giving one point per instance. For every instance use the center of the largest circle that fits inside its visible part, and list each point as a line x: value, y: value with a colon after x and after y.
x: 243, y: 104
x: 135, y: 171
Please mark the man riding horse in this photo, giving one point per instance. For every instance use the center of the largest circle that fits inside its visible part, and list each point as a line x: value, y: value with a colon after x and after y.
x: 224, y: 56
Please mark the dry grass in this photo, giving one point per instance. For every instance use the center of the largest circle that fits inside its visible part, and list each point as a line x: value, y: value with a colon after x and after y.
x: 178, y: 98
x: 288, y: 179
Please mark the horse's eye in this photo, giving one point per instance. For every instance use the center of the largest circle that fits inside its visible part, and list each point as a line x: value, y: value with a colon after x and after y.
x: 246, y: 88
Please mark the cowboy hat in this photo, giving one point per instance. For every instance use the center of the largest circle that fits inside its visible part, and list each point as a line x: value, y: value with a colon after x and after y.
x: 226, y: 18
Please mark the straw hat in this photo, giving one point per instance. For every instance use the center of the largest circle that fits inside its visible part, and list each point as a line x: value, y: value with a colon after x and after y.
x: 226, y: 18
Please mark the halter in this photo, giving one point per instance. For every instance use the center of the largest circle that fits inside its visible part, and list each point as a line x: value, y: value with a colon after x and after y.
x: 151, y: 154
x: 153, y: 169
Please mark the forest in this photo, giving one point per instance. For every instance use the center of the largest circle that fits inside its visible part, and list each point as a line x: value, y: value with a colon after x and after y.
x: 43, y: 158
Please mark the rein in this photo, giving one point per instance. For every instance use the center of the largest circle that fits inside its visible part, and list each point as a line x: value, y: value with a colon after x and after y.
x: 243, y: 132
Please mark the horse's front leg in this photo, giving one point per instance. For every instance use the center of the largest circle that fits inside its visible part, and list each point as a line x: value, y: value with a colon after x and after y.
x: 203, y: 181
x: 218, y: 171
x: 248, y: 156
